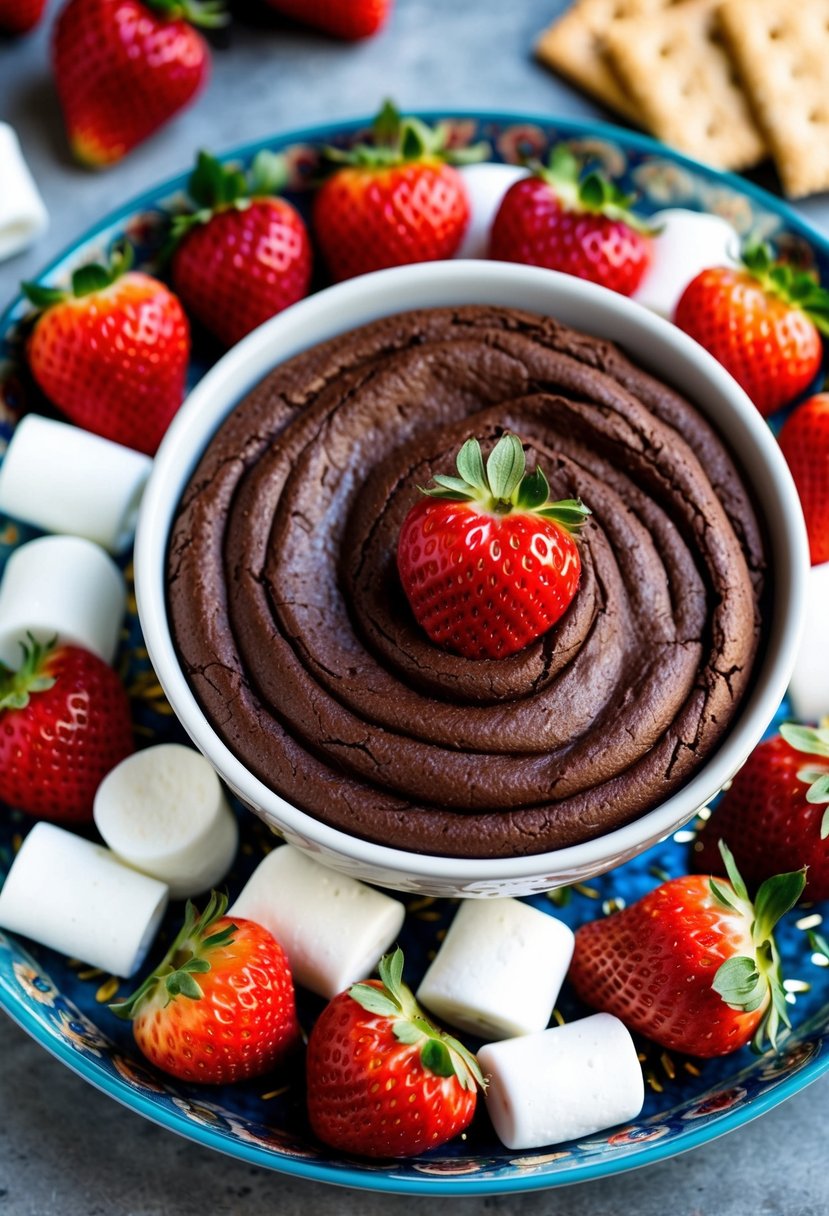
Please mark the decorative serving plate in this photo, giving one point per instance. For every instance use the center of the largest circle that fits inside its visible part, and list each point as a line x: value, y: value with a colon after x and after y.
x: 62, y: 1003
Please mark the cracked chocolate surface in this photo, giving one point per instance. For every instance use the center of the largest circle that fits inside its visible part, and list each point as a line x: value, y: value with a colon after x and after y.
x: 299, y: 643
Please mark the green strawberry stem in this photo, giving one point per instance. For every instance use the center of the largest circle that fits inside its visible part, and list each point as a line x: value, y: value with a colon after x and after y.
x: 815, y: 742
x: 187, y: 957
x: 800, y: 288
x: 440, y: 1053
x: 16, y: 687
x: 205, y: 14
x: 213, y: 187
x: 592, y: 192
x: 86, y: 280
x: 504, y: 485
x: 398, y: 141
x: 747, y: 983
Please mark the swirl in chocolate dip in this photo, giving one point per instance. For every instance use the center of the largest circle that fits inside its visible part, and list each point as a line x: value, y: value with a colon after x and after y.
x: 299, y: 644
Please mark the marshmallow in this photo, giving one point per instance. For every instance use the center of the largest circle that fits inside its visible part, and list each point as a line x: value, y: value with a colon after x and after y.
x: 486, y: 185
x: 77, y: 898
x: 64, y: 587
x: 64, y: 479
x: 563, y: 1083
x: 690, y: 242
x: 163, y: 811
x: 23, y: 214
x: 499, y: 970
x: 809, y: 688
x: 334, y: 929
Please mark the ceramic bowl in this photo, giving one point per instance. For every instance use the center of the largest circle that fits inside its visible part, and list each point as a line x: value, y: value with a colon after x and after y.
x: 658, y: 346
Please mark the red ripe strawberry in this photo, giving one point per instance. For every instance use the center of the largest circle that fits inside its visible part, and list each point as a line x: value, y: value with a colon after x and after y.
x: 349, y: 19
x: 581, y: 227
x: 112, y: 353
x: 805, y: 443
x: 761, y: 322
x: 693, y: 964
x: 20, y: 16
x: 123, y: 68
x: 244, y: 255
x: 382, y: 1080
x: 393, y: 202
x: 775, y: 814
x: 487, y: 561
x: 221, y: 1005
x: 64, y: 723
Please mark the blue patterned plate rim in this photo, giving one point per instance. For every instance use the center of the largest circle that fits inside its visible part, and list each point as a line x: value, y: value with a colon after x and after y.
x: 648, y: 1152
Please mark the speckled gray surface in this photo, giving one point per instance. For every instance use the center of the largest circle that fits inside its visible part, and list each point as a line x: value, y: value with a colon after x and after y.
x: 66, y: 1150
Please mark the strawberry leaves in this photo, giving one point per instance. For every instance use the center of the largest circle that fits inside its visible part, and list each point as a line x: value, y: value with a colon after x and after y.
x: 789, y: 283
x: 396, y: 140
x: 187, y: 957
x: 16, y: 687
x: 214, y: 186
x: 592, y: 192
x: 440, y: 1053
x: 86, y: 280
x: 815, y: 742
x: 504, y: 485
x: 745, y: 983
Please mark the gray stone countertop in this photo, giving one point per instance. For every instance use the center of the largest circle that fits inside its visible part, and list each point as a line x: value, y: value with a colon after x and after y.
x: 66, y: 1149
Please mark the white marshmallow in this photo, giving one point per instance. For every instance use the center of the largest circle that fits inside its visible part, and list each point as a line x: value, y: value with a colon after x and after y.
x: 690, y: 242
x: 809, y: 688
x: 77, y: 898
x: 333, y: 928
x: 23, y: 214
x: 64, y: 587
x: 64, y: 479
x: 163, y: 811
x: 486, y: 184
x: 499, y: 970
x: 562, y: 1084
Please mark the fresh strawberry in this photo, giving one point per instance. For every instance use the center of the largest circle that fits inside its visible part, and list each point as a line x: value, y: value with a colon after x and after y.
x: 349, y: 19
x: 487, y: 561
x: 581, y: 225
x: 692, y: 965
x: 775, y: 815
x: 244, y: 255
x: 761, y: 322
x: 392, y: 202
x: 383, y: 1081
x: 805, y: 443
x: 221, y: 1005
x: 20, y: 16
x: 112, y: 352
x: 64, y: 723
x: 123, y: 68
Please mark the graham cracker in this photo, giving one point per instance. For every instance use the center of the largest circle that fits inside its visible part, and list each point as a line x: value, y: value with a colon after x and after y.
x: 573, y: 47
x: 674, y: 66
x: 781, y: 51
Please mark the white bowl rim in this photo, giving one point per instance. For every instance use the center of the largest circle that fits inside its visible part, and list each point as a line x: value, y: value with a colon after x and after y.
x: 245, y: 364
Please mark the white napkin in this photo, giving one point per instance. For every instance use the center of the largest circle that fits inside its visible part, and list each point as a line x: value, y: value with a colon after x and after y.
x: 23, y: 214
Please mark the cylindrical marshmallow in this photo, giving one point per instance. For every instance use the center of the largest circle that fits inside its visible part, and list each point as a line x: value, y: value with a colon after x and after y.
x: 64, y: 587
x: 23, y: 214
x: 163, y: 811
x: 334, y: 929
x: 809, y: 688
x: 66, y: 480
x: 562, y: 1084
x: 688, y: 243
x: 499, y: 970
x: 77, y: 898
x: 486, y: 184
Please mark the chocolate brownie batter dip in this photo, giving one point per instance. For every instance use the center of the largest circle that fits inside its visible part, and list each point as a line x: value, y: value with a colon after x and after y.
x: 300, y: 646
